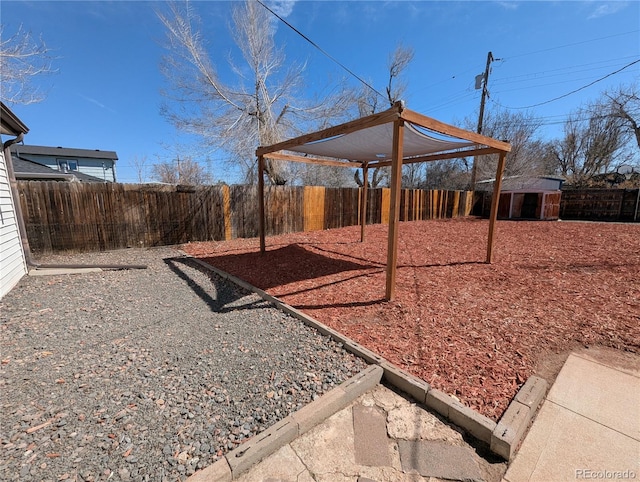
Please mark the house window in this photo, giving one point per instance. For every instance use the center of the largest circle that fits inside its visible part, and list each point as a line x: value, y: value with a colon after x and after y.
x: 65, y: 165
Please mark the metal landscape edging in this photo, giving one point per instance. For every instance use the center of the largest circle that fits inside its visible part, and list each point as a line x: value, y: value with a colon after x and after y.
x: 503, y: 437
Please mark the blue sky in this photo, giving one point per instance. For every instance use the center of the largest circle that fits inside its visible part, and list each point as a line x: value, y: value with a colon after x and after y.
x: 106, y: 93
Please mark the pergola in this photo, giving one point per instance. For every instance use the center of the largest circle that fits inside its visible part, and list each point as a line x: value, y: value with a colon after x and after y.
x: 391, y: 138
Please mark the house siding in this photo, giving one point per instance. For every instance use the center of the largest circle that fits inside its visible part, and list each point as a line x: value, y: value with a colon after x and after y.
x: 91, y: 167
x: 13, y: 265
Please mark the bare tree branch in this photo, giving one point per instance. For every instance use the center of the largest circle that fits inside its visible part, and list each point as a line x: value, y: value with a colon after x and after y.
x: 182, y: 171
x: 22, y: 59
x: 263, y: 103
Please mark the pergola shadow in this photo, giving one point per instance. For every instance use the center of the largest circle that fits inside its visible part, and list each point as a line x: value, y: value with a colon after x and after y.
x: 227, y: 296
x: 285, y: 265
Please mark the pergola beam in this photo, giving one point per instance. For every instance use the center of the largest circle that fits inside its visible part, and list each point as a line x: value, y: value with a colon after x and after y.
x: 280, y: 156
x: 449, y: 130
x: 440, y: 157
x: 342, y: 129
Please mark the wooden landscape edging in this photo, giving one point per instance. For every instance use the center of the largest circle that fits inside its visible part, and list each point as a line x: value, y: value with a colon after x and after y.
x: 503, y: 437
x: 61, y: 216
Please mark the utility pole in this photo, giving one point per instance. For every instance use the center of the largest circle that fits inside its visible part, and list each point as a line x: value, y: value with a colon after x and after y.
x: 485, y: 80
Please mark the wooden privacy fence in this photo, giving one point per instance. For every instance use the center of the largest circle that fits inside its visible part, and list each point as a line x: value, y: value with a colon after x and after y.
x: 601, y: 204
x: 62, y: 216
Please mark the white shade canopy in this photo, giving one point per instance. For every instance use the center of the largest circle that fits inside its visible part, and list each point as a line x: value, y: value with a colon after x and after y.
x: 374, y: 144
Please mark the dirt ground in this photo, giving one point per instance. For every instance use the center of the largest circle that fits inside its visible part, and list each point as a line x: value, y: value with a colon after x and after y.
x: 473, y: 330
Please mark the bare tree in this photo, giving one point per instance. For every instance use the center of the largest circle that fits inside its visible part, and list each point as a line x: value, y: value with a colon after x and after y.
x: 520, y: 130
x: 263, y: 103
x: 369, y: 102
x: 451, y: 174
x: 182, y: 171
x: 22, y: 59
x: 318, y: 175
x: 140, y: 167
x: 625, y: 106
x: 398, y: 61
x: 593, y: 145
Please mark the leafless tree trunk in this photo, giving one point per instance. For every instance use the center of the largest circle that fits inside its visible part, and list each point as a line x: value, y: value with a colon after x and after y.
x: 261, y: 106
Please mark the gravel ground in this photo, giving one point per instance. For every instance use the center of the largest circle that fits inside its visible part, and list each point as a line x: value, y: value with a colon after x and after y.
x: 146, y: 374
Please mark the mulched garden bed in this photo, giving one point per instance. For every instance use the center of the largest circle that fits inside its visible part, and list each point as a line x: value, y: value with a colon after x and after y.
x: 473, y: 330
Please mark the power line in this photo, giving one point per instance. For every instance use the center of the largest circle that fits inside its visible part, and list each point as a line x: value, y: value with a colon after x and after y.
x: 576, y: 90
x: 571, y: 45
x: 537, y: 86
x: 320, y: 49
x: 564, y: 71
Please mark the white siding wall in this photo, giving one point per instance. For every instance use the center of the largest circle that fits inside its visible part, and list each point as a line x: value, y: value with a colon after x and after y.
x: 12, y: 262
x: 92, y: 167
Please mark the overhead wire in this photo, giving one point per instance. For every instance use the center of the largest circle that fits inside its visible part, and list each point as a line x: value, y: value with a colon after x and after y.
x: 576, y: 90
x: 458, y: 98
x: 570, y: 45
x: 326, y: 54
x: 570, y: 70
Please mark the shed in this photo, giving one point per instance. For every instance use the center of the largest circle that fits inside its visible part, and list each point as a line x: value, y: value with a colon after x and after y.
x: 13, y: 265
x: 527, y: 197
x: 392, y: 138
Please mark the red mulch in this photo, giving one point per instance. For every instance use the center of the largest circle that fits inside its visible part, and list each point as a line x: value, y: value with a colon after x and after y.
x: 470, y: 329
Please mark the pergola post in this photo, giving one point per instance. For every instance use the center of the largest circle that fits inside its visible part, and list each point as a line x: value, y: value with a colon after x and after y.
x: 495, y: 201
x: 363, y: 201
x: 261, y: 202
x: 394, y: 208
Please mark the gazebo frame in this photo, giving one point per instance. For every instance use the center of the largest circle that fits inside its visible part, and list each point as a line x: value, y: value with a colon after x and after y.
x: 476, y: 145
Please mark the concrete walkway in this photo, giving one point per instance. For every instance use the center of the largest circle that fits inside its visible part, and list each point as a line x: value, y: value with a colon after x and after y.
x: 589, y: 424
x: 380, y: 437
x: 587, y: 428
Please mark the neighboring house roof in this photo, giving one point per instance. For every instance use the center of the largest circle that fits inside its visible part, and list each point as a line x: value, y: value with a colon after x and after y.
x: 25, y: 169
x: 9, y: 122
x: 64, y: 152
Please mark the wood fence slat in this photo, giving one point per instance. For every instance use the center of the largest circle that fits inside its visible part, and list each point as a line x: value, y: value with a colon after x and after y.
x: 85, y: 217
